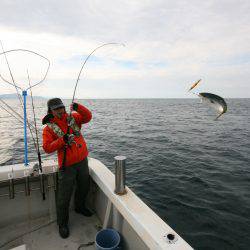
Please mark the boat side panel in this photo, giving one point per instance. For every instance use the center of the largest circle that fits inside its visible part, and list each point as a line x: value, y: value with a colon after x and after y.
x: 130, y: 239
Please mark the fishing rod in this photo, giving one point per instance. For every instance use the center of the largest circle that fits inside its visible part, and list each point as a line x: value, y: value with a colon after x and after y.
x: 17, y: 114
x: 25, y: 119
x: 78, y: 78
x: 20, y: 121
x: 17, y: 118
x: 21, y: 102
x: 24, y: 93
x: 37, y: 142
x: 34, y: 116
x: 73, y: 98
x: 16, y: 87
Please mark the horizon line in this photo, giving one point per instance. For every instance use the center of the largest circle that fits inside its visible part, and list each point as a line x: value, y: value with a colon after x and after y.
x: 108, y: 98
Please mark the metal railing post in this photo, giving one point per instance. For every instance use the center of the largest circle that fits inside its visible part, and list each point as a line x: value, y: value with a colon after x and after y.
x: 120, y: 175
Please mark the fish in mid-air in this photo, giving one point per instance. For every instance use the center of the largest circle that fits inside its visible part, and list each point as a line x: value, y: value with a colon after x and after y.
x: 215, y: 101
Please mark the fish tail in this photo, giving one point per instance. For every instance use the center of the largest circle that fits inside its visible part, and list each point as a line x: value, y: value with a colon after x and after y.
x: 219, y: 116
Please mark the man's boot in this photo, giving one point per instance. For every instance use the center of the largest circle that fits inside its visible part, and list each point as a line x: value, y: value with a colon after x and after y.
x: 64, y: 231
x: 84, y: 211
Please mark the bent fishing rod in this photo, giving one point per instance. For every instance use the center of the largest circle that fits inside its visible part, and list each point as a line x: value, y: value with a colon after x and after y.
x: 73, y: 98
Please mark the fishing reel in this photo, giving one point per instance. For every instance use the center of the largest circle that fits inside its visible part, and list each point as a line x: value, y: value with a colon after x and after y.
x: 36, y: 170
x: 71, y: 139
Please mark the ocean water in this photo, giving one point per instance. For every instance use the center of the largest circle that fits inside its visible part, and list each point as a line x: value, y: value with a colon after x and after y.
x: 194, y: 172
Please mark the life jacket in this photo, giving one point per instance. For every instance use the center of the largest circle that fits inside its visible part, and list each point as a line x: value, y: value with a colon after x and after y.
x: 71, y: 123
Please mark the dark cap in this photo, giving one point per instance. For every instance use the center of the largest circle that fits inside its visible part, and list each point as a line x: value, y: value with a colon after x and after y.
x: 55, y: 103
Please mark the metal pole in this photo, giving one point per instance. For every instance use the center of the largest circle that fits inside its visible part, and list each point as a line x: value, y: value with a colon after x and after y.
x: 11, y: 186
x: 25, y: 129
x: 27, y: 186
x: 42, y: 187
x: 120, y: 175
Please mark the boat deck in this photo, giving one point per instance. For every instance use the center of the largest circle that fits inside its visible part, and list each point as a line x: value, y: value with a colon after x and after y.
x: 43, y: 234
x: 22, y: 221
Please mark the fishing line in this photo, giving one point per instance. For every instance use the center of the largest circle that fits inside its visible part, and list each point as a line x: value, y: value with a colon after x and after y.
x: 194, y: 94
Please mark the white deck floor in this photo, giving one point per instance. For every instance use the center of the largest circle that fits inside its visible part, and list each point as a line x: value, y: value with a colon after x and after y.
x: 82, y: 230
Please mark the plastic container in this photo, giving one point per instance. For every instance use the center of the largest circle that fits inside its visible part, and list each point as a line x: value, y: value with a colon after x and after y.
x: 107, y: 239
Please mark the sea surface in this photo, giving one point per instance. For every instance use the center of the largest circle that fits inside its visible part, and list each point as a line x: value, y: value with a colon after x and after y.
x: 193, y: 171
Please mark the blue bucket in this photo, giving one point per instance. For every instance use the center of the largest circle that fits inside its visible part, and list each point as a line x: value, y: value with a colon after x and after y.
x: 107, y: 239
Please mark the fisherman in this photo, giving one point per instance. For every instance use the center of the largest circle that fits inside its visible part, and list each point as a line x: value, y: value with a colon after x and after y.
x: 72, y: 155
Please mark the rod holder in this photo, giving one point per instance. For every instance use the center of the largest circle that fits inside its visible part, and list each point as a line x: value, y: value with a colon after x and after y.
x: 11, y: 188
x: 42, y: 187
x: 55, y: 181
x: 120, y: 175
x: 27, y: 186
x: 27, y: 183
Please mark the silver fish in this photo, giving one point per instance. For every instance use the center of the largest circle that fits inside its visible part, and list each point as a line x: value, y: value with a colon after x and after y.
x: 215, y: 101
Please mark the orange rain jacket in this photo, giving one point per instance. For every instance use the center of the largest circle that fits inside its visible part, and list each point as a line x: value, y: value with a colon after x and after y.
x: 77, y: 151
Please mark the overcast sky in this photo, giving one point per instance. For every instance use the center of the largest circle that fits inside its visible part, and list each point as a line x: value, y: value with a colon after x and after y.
x: 169, y: 45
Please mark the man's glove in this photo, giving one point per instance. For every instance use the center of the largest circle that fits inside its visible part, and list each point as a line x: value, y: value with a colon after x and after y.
x: 47, y: 119
x: 74, y: 106
x: 68, y: 138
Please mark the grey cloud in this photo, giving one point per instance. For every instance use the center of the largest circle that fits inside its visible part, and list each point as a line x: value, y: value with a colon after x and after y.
x: 181, y: 33
x: 128, y: 20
